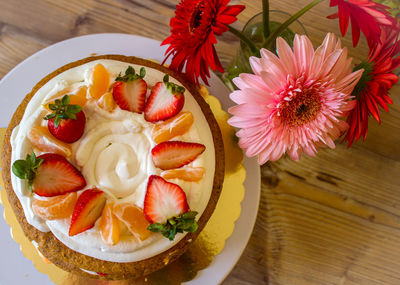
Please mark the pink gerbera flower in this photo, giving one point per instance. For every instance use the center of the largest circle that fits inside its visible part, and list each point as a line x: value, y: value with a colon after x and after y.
x: 293, y: 103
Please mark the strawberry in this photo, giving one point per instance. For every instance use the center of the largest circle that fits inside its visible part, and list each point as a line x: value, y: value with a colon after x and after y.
x: 175, y: 154
x: 165, y: 101
x: 49, y: 174
x: 129, y: 91
x: 67, y: 122
x: 87, y: 210
x: 163, y: 200
x: 166, y: 208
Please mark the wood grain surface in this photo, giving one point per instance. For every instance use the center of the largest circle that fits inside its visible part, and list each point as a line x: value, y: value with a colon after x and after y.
x: 329, y: 219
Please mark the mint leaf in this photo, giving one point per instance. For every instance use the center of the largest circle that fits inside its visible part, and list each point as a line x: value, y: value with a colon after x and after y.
x: 26, y: 169
x: 19, y: 168
x: 183, y: 223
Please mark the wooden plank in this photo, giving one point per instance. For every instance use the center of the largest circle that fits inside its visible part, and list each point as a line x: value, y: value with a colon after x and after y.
x: 15, y: 46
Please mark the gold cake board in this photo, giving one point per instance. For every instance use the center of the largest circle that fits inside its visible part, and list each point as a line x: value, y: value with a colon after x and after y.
x: 210, y: 242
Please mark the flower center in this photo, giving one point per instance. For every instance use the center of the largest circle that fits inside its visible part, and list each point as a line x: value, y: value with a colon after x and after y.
x: 365, y: 77
x: 195, y: 20
x: 301, y: 108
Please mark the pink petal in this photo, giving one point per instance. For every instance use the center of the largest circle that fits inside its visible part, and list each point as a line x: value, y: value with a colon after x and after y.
x: 255, y: 64
x: 286, y: 55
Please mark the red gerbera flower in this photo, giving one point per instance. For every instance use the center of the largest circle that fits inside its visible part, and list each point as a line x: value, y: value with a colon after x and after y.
x: 365, y: 15
x: 374, y: 85
x: 192, y: 38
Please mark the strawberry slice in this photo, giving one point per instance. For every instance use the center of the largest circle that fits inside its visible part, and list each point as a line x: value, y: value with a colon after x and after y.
x: 129, y: 91
x: 56, y: 176
x: 87, y: 210
x: 66, y: 122
x: 165, y: 101
x: 163, y: 200
x: 175, y: 154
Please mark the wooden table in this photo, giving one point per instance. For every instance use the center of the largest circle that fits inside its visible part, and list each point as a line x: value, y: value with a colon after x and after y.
x: 330, y: 219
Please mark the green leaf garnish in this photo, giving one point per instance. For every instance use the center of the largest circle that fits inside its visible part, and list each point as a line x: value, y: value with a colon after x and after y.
x: 166, y: 78
x: 174, y: 88
x: 183, y: 223
x: 62, y: 110
x: 26, y: 169
x: 131, y: 75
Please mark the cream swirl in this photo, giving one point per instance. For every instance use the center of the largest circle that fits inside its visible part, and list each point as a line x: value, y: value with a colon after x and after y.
x: 115, y: 153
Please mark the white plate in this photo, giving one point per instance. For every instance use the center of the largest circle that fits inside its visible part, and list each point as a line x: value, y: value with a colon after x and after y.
x: 14, y: 267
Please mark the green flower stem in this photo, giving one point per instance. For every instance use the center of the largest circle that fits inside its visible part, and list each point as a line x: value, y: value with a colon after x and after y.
x: 266, y: 29
x: 246, y: 40
x: 270, y: 42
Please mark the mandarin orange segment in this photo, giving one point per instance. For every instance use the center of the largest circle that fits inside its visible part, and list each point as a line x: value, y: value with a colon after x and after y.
x: 133, y: 217
x: 41, y: 138
x: 79, y: 98
x: 109, y: 226
x: 57, y: 207
x: 172, y: 127
x: 76, y: 97
x: 107, y: 102
x: 58, y: 95
x: 99, y: 81
x: 191, y: 174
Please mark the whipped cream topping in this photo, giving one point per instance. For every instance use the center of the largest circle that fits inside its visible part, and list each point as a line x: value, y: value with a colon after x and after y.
x: 114, y: 154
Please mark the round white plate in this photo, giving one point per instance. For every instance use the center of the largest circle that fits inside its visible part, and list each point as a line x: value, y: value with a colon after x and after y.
x: 14, y: 267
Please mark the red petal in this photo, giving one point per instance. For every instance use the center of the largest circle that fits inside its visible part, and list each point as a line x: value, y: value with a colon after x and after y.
x: 344, y: 17
x: 333, y: 16
x: 334, y: 3
x: 233, y: 10
x: 372, y: 106
x: 227, y: 19
x: 387, y: 99
x: 364, y: 123
x: 382, y: 103
x: 355, y: 31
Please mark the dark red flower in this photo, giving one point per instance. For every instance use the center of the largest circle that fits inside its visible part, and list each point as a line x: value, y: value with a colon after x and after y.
x: 193, y: 31
x: 365, y: 15
x: 374, y: 85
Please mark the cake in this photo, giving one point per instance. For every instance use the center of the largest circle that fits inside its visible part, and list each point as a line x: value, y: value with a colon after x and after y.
x: 113, y: 165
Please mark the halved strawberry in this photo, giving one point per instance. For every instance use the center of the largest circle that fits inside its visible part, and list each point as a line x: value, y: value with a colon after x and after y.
x: 165, y: 101
x: 175, y: 154
x: 129, y: 91
x: 67, y: 122
x: 163, y: 200
x: 56, y: 176
x: 87, y: 210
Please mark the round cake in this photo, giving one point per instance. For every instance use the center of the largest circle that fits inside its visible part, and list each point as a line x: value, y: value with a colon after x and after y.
x: 113, y: 165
